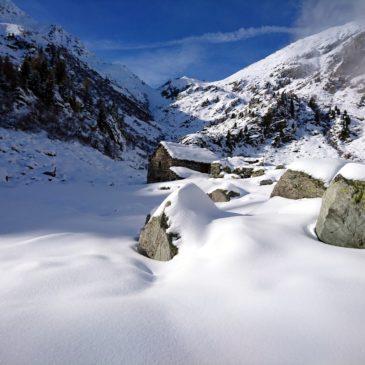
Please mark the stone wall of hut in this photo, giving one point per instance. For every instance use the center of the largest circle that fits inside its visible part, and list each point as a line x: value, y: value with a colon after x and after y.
x: 160, y: 163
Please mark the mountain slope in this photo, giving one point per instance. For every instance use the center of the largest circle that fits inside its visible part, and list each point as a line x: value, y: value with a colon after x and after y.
x: 49, y: 81
x: 311, y: 91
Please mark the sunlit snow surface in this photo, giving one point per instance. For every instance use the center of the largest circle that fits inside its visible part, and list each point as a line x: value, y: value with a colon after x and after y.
x: 253, y: 286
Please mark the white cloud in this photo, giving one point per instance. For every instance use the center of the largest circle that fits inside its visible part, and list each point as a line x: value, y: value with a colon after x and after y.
x: 210, y: 38
x: 157, y: 66
x: 316, y: 15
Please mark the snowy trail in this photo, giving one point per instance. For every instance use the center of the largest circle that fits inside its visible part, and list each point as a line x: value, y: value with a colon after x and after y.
x: 260, y: 289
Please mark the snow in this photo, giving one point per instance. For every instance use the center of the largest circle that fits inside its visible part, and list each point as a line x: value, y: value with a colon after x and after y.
x: 184, y: 172
x: 353, y: 171
x: 10, y: 13
x: 228, y: 186
x: 189, y: 211
x: 321, y: 169
x: 25, y: 157
x: 7, y: 29
x: 251, y: 283
x: 189, y: 153
x: 236, y: 162
x: 204, y: 112
x: 15, y: 21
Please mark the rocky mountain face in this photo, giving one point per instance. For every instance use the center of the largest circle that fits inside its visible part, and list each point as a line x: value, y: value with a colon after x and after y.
x: 48, y: 82
x: 306, y: 99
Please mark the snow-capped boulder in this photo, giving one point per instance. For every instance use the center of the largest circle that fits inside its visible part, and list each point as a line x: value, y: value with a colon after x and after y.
x: 154, y: 240
x: 258, y: 172
x: 341, y: 220
x: 298, y: 185
x: 225, y: 192
x: 239, y: 165
x: 222, y: 195
x: 178, y: 220
x: 307, y: 178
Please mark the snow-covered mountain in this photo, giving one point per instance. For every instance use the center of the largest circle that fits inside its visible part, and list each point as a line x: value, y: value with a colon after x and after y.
x: 50, y: 82
x: 306, y: 99
x: 13, y: 18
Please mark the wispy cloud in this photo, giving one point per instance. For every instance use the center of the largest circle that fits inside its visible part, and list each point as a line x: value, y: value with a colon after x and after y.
x: 210, y: 38
x: 158, y: 65
x: 316, y: 15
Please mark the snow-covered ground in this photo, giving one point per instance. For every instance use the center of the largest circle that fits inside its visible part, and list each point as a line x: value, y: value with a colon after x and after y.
x: 255, y: 286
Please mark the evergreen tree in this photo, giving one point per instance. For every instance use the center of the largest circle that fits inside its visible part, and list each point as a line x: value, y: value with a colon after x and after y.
x: 60, y: 72
x: 229, y: 141
x: 35, y: 83
x: 2, y: 76
x: 10, y: 73
x: 313, y: 104
x: 267, y: 121
x: 345, y: 126
x: 49, y: 91
x: 25, y: 72
x: 86, y: 85
x: 292, y: 108
x: 102, y: 116
x: 317, y: 116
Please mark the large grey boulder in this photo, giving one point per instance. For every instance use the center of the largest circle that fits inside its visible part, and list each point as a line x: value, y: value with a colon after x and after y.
x: 341, y: 220
x: 298, y: 185
x: 222, y: 195
x: 154, y: 241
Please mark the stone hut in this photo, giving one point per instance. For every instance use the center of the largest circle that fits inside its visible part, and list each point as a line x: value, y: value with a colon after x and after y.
x: 169, y: 155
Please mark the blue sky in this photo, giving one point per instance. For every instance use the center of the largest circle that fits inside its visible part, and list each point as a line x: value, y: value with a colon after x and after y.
x: 162, y: 39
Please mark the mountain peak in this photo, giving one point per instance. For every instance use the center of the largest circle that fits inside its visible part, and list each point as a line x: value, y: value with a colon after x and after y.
x: 10, y: 13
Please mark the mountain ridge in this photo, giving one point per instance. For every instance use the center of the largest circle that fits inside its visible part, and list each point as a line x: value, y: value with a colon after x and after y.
x: 319, y: 74
x: 305, y: 99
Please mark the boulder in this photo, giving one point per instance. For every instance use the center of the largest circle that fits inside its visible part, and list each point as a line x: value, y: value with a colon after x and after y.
x: 244, y: 172
x: 222, y: 196
x: 341, y: 220
x: 257, y: 173
x: 177, y: 222
x: 233, y: 165
x: 215, y: 170
x: 154, y: 241
x: 266, y: 182
x: 298, y: 185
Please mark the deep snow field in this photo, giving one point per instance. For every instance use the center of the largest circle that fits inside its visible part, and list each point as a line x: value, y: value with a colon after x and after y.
x: 254, y: 285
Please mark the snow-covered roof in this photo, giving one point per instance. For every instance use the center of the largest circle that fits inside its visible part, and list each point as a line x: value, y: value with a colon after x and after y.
x: 353, y: 171
x: 188, y: 152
